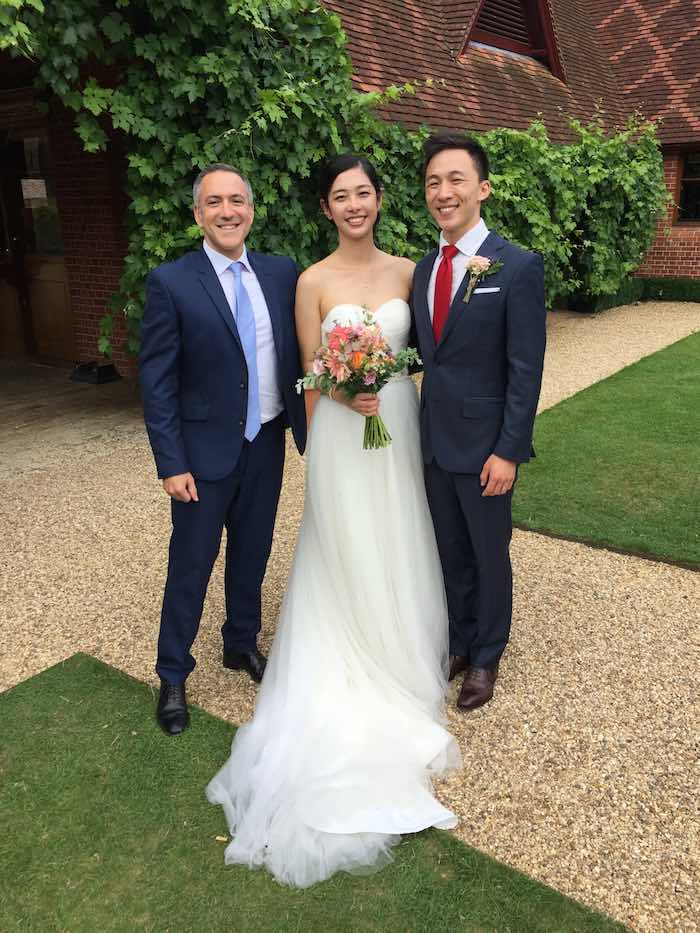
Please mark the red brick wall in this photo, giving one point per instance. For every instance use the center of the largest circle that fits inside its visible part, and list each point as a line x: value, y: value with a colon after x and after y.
x: 676, y: 250
x: 91, y: 204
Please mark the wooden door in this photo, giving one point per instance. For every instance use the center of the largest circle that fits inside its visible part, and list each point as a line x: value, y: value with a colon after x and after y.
x: 35, y: 309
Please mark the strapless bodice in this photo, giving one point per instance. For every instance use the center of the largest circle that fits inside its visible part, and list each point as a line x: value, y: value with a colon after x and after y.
x: 393, y: 316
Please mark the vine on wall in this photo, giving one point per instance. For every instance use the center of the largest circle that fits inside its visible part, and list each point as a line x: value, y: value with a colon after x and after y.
x: 267, y: 87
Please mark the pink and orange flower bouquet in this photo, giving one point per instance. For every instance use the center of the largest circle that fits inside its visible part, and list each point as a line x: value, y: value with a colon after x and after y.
x: 357, y: 358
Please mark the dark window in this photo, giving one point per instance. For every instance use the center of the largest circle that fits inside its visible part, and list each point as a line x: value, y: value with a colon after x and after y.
x: 505, y: 19
x: 521, y: 26
x: 689, y: 201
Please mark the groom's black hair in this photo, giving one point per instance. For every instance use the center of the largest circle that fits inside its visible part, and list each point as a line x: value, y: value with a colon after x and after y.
x: 438, y: 142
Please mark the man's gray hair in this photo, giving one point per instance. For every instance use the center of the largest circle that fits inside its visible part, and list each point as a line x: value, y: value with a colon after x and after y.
x: 218, y: 167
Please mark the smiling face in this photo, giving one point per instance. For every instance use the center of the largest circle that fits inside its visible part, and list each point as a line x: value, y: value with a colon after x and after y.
x: 353, y: 204
x: 224, y: 212
x: 453, y: 192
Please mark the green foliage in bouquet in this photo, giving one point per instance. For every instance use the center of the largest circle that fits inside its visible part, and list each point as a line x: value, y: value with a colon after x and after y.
x: 266, y: 85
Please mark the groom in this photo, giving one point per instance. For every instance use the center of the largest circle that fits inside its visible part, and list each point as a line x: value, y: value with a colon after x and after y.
x: 218, y: 365
x: 479, y: 317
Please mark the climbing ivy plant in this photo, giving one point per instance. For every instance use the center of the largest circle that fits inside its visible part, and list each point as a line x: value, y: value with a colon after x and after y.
x: 589, y: 207
x: 267, y: 87
x: 15, y: 34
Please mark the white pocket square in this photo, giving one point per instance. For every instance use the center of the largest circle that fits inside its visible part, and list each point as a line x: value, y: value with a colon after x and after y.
x: 485, y: 291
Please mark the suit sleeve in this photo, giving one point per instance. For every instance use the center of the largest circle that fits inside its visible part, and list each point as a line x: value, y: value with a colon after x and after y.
x: 525, y: 344
x: 413, y: 333
x: 160, y: 378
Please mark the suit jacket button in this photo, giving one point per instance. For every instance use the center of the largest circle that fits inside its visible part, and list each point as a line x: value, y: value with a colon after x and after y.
x: 242, y: 385
x: 241, y: 423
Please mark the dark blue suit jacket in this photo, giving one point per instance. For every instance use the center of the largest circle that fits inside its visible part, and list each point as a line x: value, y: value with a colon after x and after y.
x: 192, y: 367
x: 482, y: 381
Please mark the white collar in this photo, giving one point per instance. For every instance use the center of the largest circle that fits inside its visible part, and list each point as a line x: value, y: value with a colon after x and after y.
x: 221, y: 263
x: 469, y: 243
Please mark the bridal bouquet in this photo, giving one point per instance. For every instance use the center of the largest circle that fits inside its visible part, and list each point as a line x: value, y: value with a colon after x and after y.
x: 357, y: 358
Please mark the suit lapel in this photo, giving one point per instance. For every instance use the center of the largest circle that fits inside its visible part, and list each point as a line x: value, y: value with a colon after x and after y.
x: 490, y: 248
x: 421, y: 309
x: 212, y: 286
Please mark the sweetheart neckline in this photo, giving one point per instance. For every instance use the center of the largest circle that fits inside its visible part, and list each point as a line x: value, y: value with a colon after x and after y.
x: 352, y: 304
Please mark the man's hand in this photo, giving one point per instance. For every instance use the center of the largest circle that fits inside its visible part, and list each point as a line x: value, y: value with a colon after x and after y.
x: 497, y: 476
x: 181, y: 487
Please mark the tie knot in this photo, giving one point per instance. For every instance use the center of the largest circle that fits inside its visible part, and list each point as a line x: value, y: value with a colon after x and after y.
x: 449, y: 252
x: 236, y: 267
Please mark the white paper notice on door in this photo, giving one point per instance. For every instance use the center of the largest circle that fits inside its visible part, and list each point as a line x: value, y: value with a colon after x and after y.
x: 34, y: 189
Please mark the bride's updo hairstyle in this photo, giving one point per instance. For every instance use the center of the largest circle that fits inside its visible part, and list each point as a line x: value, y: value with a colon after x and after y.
x: 343, y: 163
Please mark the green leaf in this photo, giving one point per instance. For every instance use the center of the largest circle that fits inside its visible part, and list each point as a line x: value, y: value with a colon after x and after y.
x: 267, y: 87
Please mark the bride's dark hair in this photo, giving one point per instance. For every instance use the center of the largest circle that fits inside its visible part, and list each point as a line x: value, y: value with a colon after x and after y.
x: 342, y: 163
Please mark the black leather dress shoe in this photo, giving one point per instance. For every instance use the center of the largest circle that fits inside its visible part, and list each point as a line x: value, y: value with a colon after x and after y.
x: 171, y: 713
x: 252, y: 661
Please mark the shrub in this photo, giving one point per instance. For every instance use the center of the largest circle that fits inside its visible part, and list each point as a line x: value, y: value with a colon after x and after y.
x: 631, y: 290
x: 670, y: 289
x: 622, y: 193
x: 266, y: 85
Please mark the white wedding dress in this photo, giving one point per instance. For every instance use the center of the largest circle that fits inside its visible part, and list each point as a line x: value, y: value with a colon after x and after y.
x: 336, y: 762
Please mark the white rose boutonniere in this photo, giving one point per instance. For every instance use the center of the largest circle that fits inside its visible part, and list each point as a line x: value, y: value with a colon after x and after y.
x: 478, y: 268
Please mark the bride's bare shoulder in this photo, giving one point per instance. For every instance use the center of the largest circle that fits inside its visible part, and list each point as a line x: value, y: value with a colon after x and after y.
x: 406, y: 265
x: 316, y: 273
x: 399, y: 263
x: 402, y: 268
x: 311, y: 283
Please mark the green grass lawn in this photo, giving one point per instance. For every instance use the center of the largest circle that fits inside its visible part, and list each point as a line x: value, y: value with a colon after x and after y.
x: 619, y: 463
x: 105, y: 827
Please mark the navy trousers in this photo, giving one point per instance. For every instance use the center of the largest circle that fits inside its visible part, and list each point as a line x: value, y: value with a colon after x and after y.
x: 473, y: 535
x: 245, y: 502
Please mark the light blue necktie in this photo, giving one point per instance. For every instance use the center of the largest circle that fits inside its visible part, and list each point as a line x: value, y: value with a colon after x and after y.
x: 245, y: 321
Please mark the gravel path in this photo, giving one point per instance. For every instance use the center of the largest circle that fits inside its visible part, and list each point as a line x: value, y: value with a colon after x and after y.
x: 592, y: 735
x: 585, y: 348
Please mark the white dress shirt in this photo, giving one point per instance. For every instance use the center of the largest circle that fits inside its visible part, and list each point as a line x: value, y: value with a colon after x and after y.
x: 271, y: 403
x: 468, y: 246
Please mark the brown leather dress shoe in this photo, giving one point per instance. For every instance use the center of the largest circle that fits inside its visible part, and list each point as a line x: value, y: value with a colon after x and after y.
x: 458, y: 663
x: 477, y: 688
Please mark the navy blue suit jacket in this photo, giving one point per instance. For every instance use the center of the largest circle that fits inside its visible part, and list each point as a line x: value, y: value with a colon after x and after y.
x: 193, y: 372
x: 482, y: 381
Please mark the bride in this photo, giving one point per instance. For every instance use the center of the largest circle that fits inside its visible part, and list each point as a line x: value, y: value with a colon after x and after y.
x: 336, y: 762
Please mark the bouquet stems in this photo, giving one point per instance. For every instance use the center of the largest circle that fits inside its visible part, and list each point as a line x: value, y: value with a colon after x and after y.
x: 376, y: 433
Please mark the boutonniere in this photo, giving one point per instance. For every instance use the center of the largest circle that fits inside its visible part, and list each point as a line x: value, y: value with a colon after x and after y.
x: 478, y: 268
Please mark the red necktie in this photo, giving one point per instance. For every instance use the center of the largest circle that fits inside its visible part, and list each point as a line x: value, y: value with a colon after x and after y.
x: 443, y: 290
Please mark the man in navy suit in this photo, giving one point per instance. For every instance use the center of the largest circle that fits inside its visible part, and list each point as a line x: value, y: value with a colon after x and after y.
x: 218, y: 366
x: 482, y: 340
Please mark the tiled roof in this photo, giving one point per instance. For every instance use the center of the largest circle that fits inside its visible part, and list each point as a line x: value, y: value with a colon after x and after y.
x: 392, y: 41
x: 654, y: 46
x: 458, y: 18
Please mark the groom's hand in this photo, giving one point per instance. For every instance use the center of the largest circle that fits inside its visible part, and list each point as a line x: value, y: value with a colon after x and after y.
x: 497, y: 476
x: 181, y: 487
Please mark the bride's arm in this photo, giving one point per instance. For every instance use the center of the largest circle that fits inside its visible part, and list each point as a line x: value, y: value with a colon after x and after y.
x: 307, y: 313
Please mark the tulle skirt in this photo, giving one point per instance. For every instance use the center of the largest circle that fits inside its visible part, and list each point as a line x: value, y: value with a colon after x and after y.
x: 348, y: 728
